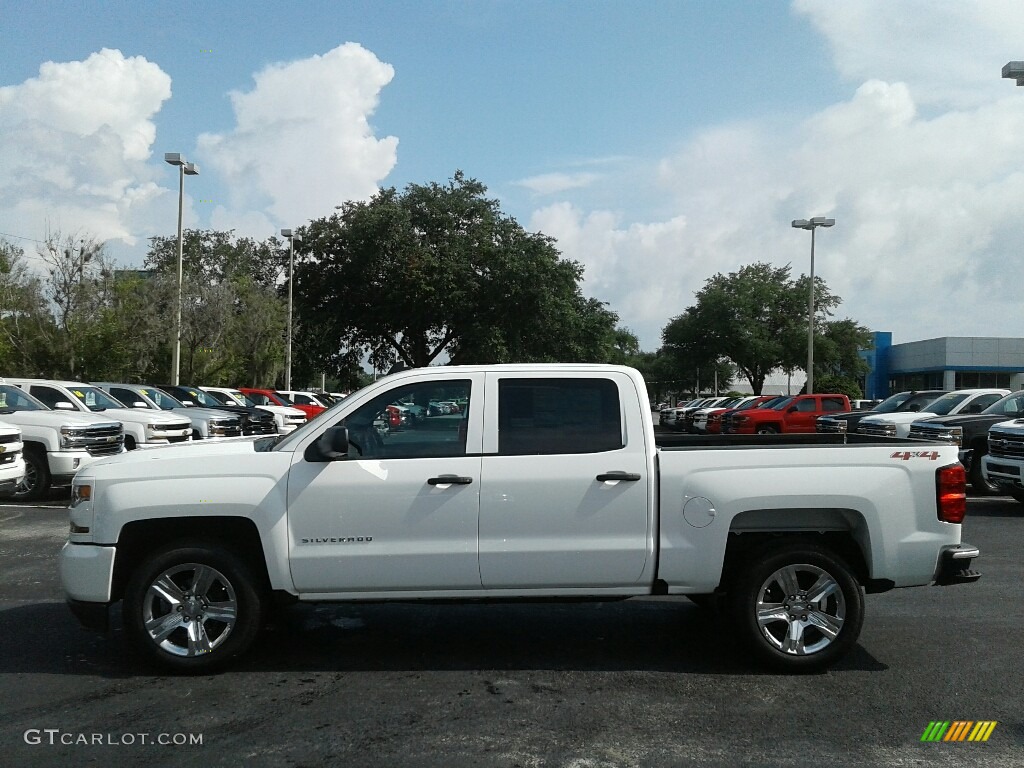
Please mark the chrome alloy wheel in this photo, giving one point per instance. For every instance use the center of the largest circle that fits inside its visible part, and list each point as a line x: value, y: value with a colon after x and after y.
x: 29, y: 483
x: 190, y: 609
x: 800, y: 609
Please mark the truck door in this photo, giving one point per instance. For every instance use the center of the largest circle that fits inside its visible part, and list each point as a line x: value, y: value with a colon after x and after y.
x: 401, y: 511
x: 565, y: 493
x: 801, y: 416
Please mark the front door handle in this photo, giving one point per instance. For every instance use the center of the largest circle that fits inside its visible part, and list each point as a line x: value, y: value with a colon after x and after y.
x: 450, y: 480
x: 608, y: 476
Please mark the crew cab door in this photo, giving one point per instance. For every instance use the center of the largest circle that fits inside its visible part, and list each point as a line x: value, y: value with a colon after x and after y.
x: 384, y: 519
x: 552, y: 514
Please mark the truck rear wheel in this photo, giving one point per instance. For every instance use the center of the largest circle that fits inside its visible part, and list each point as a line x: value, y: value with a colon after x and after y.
x: 192, y: 607
x: 798, y: 607
x: 37, y: 476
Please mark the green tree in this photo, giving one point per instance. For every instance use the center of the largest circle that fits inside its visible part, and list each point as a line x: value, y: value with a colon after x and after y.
x: 439, y: 270
x: 751, y: 317
x: 234, y: 318
x: 25, y: 320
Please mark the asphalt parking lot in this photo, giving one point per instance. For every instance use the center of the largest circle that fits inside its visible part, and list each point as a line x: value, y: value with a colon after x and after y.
x: 640, y: 683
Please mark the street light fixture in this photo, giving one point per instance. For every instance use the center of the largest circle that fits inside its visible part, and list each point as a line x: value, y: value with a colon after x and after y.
x: 812, y: 224
x: 185, y: 168
x: 293, y: 239
x: 1014, y: 70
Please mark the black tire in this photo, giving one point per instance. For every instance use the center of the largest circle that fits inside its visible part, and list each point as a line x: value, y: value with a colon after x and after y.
x: 1018, y: 495
x: 223, y: 619
x: 768, y: 429
x: 129, y: 443
x: 37, y: 476
x: 197, y: 435
x: 979, y: 484
x: 785, y: 633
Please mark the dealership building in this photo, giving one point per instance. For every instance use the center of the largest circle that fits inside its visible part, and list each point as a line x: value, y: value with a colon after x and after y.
x: 950, y: 362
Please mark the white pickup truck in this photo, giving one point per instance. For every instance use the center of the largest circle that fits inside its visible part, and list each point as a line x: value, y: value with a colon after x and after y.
x: 57, y: 444
x: 1004, y: 464
x: 12, y: 459
x: 550, y: 484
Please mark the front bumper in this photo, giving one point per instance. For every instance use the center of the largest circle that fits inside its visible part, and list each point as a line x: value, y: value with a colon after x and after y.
x: 955, y: 565
x: 87, y: 572
x: 64, y: 464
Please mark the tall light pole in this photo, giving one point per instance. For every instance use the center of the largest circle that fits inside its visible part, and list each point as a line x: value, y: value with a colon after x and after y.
x: 812, y: 224
x: 1014, y: 70
x: 292, y: 238
x: 190, y: 169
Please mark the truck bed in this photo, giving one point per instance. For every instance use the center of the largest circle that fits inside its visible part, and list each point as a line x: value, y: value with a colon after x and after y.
x: 680, y: 441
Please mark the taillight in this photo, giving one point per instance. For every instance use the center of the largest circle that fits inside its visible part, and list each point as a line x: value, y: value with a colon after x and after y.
x: 951, y: 493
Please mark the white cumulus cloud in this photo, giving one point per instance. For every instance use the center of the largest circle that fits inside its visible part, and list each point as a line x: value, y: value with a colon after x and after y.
x: 552, y: 183
x: 74, y: 146
x: 303, y: 142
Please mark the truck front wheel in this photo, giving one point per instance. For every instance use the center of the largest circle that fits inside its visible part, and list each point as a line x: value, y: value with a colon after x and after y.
x: 37, y: 476
x: 767, y: 429
x: 192, y: 607
x: 798, y: 607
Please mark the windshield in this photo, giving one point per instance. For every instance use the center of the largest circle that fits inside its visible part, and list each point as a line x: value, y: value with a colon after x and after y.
x: 946, y: 403
x: 1011, y: 406
x: 905, y: 401
x: 194, y: 397
x: 96, y: 399
x: 240, y: 398
x: 283, y: 398
x: 13, y: 399
x: 781, y: 404
x: 161, y: 399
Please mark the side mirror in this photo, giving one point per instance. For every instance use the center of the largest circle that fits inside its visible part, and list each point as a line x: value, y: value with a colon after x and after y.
x: 791, y: 409
x: 63, y: 405
x: 139, y: 404
x: 330, y: 446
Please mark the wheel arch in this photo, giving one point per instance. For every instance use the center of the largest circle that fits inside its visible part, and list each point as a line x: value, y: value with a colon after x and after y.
x: 140, y: 538
x: 843, y: 531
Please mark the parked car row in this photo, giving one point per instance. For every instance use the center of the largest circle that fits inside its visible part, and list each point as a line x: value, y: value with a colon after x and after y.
x: 973, y: 419
x: 51, y: 429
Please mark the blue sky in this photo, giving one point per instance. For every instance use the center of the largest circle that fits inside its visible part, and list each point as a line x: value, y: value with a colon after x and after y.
x: 658, y: 142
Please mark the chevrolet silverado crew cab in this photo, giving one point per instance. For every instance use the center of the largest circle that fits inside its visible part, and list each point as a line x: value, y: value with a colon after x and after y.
x: 142, y: 429
x: 792, y: 415
x: 12, y: 459
x: 551, y: 484
x: 897, y: 423
x: 1004, y: 465
x: 56, y: 443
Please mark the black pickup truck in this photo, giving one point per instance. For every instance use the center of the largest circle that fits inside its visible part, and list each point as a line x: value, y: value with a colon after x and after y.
x: 970, y: 432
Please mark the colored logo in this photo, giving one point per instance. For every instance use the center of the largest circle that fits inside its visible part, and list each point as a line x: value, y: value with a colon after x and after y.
x: 959, y: 730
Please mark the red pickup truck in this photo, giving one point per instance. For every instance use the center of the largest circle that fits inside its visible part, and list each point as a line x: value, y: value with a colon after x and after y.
x: 270, y: 397
x: 794, y: 414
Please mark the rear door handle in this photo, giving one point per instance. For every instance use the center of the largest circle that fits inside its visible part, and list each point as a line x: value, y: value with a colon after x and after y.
x: 450, y: 480
x: 608, y: 476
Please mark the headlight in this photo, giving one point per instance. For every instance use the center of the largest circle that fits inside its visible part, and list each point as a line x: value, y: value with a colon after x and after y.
x: 70, y: 437
x: 956, y: 434
x: 80, y: 494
